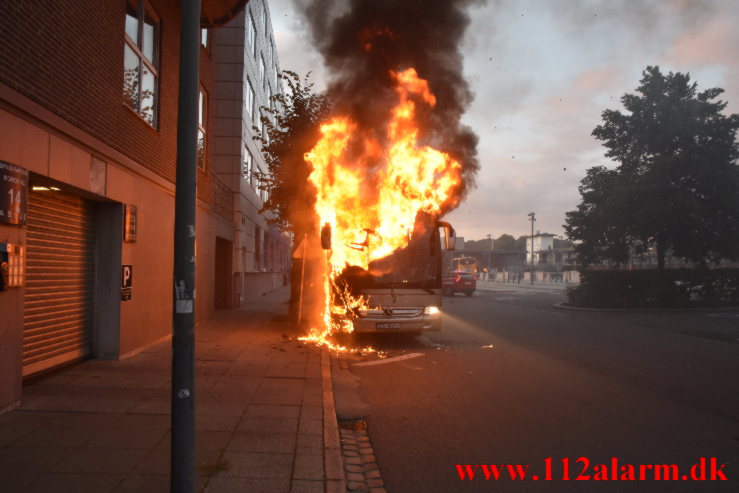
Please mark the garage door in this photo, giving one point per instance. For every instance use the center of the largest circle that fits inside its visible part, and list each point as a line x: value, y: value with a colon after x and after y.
x: 59, y: 283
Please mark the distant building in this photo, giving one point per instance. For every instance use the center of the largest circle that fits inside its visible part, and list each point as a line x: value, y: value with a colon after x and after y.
x: 459, y: 243
x: 541, y: 246
x: 546, y: 253
x: 255, y: 254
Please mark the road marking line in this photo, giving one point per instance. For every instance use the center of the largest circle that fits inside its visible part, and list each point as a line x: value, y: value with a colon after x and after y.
x: 389, y: 360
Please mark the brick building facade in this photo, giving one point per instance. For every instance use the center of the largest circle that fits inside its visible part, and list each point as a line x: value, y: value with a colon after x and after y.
x: 88, y: 119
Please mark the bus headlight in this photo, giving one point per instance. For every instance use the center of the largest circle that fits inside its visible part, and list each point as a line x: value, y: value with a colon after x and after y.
x: 431, y: 310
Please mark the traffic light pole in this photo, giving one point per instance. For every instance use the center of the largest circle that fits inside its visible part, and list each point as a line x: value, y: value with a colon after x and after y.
x: 182, y: 473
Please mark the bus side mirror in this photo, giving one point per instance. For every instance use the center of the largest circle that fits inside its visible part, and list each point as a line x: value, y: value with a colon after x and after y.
x: 326, y: 237
x: 450, y: 237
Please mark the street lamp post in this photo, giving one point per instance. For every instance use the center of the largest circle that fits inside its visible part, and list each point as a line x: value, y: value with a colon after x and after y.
x: 182, y: 466
x: 533, y: 218
x: 490, y: 254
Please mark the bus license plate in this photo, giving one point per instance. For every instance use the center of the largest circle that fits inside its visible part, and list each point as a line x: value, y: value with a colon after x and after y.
x: 388, y: 325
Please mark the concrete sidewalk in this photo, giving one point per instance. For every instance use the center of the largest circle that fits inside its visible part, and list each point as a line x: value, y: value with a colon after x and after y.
x: 264, y: 404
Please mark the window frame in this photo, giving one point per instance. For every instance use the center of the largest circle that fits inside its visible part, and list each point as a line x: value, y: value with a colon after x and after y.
x: 262, y: 192
x: 205, y: 38
x: 143, y: 7
x: 252, y: 33
x: 202, y: 161
x: 250, y: 99
x: 249, y: 165
x: 263, y: 71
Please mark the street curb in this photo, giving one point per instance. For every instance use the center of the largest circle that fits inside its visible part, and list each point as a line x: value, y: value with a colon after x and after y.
x: 502, y: 287
x: 564, y: 306
x: 332, y: 460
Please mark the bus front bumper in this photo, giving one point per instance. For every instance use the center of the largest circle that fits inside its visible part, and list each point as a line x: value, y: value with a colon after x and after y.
x: 371, y: 322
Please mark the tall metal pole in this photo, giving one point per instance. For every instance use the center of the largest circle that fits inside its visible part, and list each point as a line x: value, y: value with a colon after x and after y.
x: 182, y: 474
x: 533, y: 218
x: 490, y: 255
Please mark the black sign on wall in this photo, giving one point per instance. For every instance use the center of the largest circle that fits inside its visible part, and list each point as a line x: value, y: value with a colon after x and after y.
x: 126, y: 282
x: 13, y: 194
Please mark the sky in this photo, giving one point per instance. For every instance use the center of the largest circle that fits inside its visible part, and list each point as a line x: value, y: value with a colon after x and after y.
x: 542, y: 72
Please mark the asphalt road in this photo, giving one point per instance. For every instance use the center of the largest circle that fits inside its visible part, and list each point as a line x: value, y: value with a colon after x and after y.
x: 511, y: 380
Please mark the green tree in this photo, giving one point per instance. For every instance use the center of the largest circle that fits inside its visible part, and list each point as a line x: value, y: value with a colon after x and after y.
x: 478, y: 245
x: 290, y: 128
x: 504, y: 243
x: 600, y: 222
x: 560, y: 244
x: 676, y: 185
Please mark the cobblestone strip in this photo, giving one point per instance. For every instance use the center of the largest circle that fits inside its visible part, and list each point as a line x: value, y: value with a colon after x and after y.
x: 333, y: 465
x: 360, y: 464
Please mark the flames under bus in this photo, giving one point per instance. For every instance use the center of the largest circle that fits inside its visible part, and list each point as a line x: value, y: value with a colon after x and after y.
x: 403, y: 291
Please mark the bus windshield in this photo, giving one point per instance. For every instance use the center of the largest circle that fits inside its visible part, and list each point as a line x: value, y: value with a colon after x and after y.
x: 418, y: 265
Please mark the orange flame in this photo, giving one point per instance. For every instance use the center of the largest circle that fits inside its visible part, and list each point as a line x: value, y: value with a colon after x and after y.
x: 371, y: 197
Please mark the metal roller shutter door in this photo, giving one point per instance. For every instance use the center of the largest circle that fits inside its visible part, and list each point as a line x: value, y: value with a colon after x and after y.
x: 59, y: 280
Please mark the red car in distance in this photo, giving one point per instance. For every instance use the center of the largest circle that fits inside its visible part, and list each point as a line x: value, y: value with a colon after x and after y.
x: 458, y: 282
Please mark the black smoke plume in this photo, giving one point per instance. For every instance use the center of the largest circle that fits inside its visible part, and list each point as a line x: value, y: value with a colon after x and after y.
x: 362, y: 41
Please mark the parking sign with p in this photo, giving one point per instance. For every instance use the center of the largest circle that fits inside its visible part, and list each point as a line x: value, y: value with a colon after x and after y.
x: 126, y: 282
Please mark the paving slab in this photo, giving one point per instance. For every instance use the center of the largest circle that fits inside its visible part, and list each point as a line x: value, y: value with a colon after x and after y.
x: 104, y: 426
x: 72, y: 483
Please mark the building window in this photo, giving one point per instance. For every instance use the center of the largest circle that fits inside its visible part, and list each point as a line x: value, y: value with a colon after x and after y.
x: 202, y: 122
x: 262, y: 191
x: 249, y: 99
x: 262, y: 71
x: 248, y: 170
x: 204, y: 37
x: 257, y: 248
x: 264, y: 131
x: 252, y: 33
x: 140, y: 60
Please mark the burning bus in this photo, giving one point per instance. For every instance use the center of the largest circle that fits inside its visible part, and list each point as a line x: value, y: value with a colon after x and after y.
x: 391, y: 159
x: 379, y: 198
x: 401, y: 292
